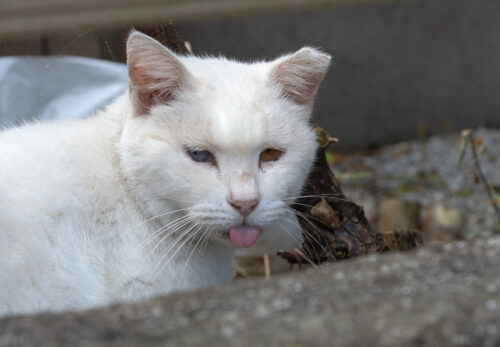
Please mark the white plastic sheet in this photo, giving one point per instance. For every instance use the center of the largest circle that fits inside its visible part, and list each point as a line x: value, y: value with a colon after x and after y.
x: 56, y: 87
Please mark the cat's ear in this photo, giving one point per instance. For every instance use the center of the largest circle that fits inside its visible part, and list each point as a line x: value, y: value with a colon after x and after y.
x: 156, y: 75
x: 300, y: 74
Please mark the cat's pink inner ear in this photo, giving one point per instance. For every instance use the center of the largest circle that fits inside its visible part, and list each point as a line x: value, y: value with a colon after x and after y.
x: 300, y: 74
x: 155, y: 73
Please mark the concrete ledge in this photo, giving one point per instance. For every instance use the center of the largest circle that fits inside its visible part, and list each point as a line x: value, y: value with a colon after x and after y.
x: 440, y: 296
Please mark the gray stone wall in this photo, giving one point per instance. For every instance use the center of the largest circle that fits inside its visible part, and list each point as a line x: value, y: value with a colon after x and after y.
x: 397, y: 66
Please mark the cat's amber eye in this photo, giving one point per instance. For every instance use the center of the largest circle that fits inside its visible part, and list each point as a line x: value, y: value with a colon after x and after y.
x: 270, y: 154
x: 202, y: 156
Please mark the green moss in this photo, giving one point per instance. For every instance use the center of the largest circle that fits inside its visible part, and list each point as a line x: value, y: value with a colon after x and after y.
x: 425, y: 180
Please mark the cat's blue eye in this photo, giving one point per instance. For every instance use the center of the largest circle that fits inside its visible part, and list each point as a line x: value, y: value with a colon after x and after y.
x: 202, y: 156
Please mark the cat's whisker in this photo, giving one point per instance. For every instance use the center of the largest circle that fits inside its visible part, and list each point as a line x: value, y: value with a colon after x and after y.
x: 294, y: 225
x: 314, y: 227
x: 305, y: 251
x: 168, y: 212
x: 182, y: 235
x: 152, y: 274
x: 206, y: 237
x: 168, y: 230
x: 161, y: 230
x: 295, y: 238
x: 272, y: 214
x: 327, y: 196
x: 203, y: 233
x: 179, y: 247
x: 74, y: 39
x: 312, y: 237
x: 179, y: 225
x: 311, y: 196
x: 308, y: 215
x: 307, y: 205
x: 176, y: 199
x: 306, y: 218
x: 300, y: 204
x: 191, y: 215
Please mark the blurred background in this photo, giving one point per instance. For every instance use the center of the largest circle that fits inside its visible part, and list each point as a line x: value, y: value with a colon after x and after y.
x: 399, y: 66
x: 407, y: 77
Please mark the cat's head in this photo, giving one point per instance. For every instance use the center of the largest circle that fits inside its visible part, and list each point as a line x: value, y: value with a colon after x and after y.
x: 228, y: 144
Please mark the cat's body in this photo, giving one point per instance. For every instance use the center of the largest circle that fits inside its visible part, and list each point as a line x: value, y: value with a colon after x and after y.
x: 88, y: 243
x: 152, y: 194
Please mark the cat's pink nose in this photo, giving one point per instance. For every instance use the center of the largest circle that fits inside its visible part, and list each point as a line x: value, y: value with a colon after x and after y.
x: 244, y: 207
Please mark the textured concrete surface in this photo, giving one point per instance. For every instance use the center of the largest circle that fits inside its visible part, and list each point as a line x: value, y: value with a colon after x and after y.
x: 397, y: 65
x: 440, y: 296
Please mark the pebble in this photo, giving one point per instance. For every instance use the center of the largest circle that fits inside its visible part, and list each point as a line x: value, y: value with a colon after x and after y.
x: 491, y: 304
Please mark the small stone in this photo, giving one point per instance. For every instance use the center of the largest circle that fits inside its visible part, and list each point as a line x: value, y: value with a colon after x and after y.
x: 395, y: 213
x: 491, y: 329
x: 491, y: 288
x: 262, y: 311
x: 405, y: 290
x: 441, y: 223
x: 339, y: 275
x: 183, y: 321
x: 227, y: 331
x: 156, y: 311
x: 297, y: 287
x: 491, y: 304
x: 230, y: 316
x: 460, y: 340
x: 265, y: 293
x: 385, y: 268
x: 281, y: 304
x: 406, y: 302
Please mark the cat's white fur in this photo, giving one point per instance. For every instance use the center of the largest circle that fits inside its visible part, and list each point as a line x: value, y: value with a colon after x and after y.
x: 82, y: 202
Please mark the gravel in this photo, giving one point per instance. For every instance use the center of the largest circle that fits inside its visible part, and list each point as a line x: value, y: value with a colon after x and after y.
x: 429, y: 173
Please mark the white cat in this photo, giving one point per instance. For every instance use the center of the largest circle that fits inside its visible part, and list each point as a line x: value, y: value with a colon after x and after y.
x: 153, y: 194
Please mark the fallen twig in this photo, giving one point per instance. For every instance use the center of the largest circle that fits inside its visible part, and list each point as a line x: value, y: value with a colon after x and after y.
x: 468, y: 140
x: 267, y: 266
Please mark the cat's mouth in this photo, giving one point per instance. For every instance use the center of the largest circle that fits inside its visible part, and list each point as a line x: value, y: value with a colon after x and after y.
x: 244, y: 235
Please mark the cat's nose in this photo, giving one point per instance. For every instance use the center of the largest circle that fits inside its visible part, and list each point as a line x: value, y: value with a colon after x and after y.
x: 244, y: 207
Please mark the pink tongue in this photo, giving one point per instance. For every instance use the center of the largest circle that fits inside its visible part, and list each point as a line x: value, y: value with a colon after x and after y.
x: 244, y: 235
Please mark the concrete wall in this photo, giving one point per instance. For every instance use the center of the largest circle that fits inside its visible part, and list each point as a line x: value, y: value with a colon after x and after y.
x: 397, y: 66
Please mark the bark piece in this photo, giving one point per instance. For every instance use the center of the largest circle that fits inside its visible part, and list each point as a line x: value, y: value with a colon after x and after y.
x: 398, y: 213
x: 401, y: 240
x: 443, y: 224
x: 338, y: 228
